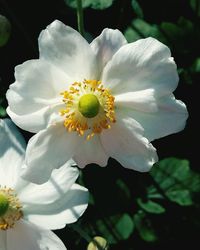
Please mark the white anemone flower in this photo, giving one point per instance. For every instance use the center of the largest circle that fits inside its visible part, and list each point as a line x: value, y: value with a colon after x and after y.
x: 27, y: 210
x: 93, y: 101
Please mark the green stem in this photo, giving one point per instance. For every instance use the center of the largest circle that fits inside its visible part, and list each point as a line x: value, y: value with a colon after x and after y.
x: 80, y: 17
x: 82, y: 233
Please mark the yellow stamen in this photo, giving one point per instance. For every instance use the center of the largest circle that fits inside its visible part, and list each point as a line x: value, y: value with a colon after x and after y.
x: 13, y: 211
x: 89, y: 108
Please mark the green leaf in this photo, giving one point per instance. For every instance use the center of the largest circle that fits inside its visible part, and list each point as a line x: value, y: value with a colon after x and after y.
x: 171, y: 30
x: 125, y: 192
x: 5, y: 30
x: 72, y: 3
x: 137, y: 8
x: 91, y: 200
x: 182, y: 197
x: 2, y: 112
x: 117, y: 227
x: 196, y: 66
x: 131, y: 35
x: 2, y: 109
x: 101, y: 4
x: 125, y: 226
x: 177, y: 180
x: 95, y: 4
x: 195, y: 5
x: 144, y: 227
x: 185, y: 74
x: 141, y: 29
x: 150, y: 206
x: 180, y: 34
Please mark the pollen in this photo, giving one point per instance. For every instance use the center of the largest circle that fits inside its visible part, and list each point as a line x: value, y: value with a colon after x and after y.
x: 89, y: 108
x: 10, y: 208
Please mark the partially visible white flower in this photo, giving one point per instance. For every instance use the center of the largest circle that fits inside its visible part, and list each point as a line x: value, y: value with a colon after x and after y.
x: 93, y: 101
x: 27, y: 210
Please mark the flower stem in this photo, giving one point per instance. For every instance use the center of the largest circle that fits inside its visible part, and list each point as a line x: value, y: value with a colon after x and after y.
x: 80, y: 17
x: 82, y: 233
x: 85, y: 236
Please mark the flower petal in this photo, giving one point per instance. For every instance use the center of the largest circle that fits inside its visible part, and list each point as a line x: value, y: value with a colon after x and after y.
x: 27, y: 236
x: 67, y: 50
x: 35, y: 95
x: 48, y: 149
x: 144, y: 64
x: 56, y: 215
x: 170, y: 118
x: 106, y: 45
x: 91, y: 151
x: 125, y: 142
x: 12, y: 151
x: 58, y: 185
x: 142, y: 100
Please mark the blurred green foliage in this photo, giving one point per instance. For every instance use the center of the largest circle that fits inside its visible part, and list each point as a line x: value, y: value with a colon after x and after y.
x: 95, y: 4
x: 132, y: 210
x: 2, y: 108
x: 171, y: 181
x: 176, y: 180
x: 5, y: 30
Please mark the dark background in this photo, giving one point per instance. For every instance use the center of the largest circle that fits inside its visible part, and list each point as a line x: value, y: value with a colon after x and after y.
x: 28, y: 18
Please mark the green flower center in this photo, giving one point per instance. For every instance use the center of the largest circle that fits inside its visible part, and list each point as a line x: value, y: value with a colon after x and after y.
x: 4, y: 204
x: 89, y: 105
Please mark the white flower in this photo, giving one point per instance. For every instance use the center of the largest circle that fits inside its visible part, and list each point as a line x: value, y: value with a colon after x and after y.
x: 93, y: 101
x: 27, y: 210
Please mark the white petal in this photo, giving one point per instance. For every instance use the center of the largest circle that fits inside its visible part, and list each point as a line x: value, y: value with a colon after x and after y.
x: 34, y: 96
x: 106, y: 45
x: 142, y: 100
x: 170, y: 118
x: 3, y: 240
x: 56, y: 215
x: 58, y: 185
x: 12, y: 150
x: 125, y: 142
x: 47, y: 150
x: 144, y: 64
x: 91, y: 151
x: 27, y: 236
x: 68, y: 50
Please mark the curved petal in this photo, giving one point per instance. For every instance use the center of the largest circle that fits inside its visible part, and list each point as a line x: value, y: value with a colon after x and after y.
x: 27, y: 236
x: 125, y: 142
x: 144, y: 64
x: 106, y: 45
x: 58, y: 185
x: 68, y: 50
x: 12, y: 151
x: 47, y: 150
x: 35, y: 95
x: 142, y: 100
x: 170, y: 118
x: 64, y: 211
x: 3, y: 242
x: 91, y: 151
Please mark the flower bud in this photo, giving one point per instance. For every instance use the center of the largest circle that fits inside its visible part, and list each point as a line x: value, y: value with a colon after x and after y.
x: 98, y: 243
